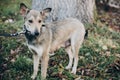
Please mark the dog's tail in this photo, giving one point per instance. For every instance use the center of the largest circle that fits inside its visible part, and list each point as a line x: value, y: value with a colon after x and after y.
x: 86, y: 33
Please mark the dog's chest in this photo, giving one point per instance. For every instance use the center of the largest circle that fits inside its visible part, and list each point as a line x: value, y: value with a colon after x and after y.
x: 37, y: 49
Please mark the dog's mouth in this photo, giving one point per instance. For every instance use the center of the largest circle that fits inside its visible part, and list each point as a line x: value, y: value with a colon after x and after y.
x: 26, y: 31
x: 30, y: 37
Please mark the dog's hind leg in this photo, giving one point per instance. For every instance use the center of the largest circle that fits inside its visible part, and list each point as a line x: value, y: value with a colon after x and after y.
x: 76, y: 42
x: 75, y: 52
x: 36, y: 59
x: 75, y: 49
x: 75, y: 55
x: 70, y: 55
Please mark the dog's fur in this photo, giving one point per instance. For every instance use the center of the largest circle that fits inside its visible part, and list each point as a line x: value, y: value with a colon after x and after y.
x: 45, y: 38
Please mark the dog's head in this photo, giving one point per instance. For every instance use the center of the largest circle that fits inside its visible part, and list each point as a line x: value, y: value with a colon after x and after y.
x: 33, y: 19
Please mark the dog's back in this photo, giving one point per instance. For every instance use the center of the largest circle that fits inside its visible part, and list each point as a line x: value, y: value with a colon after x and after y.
x: 63, y: 31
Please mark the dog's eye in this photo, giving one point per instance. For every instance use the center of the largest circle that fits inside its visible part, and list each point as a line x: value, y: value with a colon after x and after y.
x: 39, y: 21
x: 30, y: 21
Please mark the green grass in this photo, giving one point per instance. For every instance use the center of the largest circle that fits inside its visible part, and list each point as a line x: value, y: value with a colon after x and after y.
x: 98, y: 56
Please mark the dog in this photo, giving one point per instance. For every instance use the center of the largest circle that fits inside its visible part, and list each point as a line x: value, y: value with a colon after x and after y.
x: 44, y: 38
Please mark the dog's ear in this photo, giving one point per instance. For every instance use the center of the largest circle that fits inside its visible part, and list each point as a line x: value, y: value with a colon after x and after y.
x: 23, y: 9
x: 45, y: 12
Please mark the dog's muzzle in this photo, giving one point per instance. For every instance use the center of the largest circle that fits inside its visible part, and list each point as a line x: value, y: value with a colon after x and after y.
x: 30, y: 37
x: 36, y: 33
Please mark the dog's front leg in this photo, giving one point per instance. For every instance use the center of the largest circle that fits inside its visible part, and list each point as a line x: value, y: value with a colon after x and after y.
x: 36, y: 59
x: 44, y: 65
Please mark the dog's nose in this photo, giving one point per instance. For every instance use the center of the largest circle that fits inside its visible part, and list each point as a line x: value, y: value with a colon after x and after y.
x: 36, y: 33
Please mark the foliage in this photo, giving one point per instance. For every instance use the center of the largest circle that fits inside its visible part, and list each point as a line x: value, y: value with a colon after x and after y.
x: 99, y: 56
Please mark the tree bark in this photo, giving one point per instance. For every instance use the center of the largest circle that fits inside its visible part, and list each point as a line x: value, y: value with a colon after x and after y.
x: 81, y: 9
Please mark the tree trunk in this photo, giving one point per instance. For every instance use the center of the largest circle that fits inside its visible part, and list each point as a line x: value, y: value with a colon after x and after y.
x: 81, y: 9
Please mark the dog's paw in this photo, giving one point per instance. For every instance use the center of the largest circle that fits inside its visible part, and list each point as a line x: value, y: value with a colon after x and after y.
x: 73, y: 71
x: 33, y: 77
x: 68, y: 67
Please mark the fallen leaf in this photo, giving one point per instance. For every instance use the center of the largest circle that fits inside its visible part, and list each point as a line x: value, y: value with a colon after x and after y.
x: 13, y: 60
x: 79, y: 78
x: 104, y: 47
x: 108, y: 53
x: 117, y: 55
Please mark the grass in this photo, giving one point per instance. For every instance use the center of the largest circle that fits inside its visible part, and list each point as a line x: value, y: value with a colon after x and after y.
x: 99, y: 56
